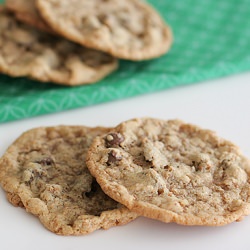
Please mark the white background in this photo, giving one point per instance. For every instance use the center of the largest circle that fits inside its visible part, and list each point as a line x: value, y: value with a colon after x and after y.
x: 222, y: 105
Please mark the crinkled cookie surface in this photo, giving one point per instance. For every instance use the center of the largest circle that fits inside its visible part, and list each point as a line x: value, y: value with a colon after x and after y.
x: 129, y: 29
x: 44, y: 171
x: 173, y: 172
x: 25, y: 51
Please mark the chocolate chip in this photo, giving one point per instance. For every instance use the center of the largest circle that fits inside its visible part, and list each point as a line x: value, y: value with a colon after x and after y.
x: 113, y: 157
x: 29, y: 181
x: 201, y: 166
x: 46, y: 161
x: 113, y: 140
x: 160, y: 191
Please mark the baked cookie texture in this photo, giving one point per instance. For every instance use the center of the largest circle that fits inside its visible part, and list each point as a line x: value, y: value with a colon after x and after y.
x: 44, y: 171
x: 25, y: 11
x: 173, y: 172
x: 128, y: 29
x: 25, y: 51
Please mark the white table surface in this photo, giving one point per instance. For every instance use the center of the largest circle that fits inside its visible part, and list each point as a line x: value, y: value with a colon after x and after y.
x: 222, y: 105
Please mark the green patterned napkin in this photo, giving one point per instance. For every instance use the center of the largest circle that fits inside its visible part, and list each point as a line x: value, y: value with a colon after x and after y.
x: 212, y: 39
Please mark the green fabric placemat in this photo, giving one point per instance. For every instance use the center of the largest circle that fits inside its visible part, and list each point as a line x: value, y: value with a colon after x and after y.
x: 212, y: 39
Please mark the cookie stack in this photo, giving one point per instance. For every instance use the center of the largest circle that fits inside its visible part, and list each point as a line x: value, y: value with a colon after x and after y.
x: 77, y: 42
x: 78, y: 179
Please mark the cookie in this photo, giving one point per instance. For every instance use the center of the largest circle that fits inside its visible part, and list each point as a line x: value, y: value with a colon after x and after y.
x: 45, y: 172
x: 25, y: 11
x: 173, y: 172
x: 25, y: 51
x: 128, y: 29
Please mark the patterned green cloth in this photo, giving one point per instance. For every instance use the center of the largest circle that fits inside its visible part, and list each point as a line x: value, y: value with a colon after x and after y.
x: 212, y: 39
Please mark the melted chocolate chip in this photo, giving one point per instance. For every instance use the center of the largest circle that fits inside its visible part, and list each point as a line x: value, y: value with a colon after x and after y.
x: 113, y: 140
x: 46, y: 161
x: 113, y: 157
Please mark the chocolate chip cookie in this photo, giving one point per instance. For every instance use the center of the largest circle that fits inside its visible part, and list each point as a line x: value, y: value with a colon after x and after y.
x: 129, y: 29
x: 25, y: 51
x: 44, y: 171
x: 173, y: 172
x: 25, y: 11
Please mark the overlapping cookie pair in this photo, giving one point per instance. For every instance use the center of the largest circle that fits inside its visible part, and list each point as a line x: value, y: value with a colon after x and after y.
x: 78, y: 41
x: 79, y: 179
